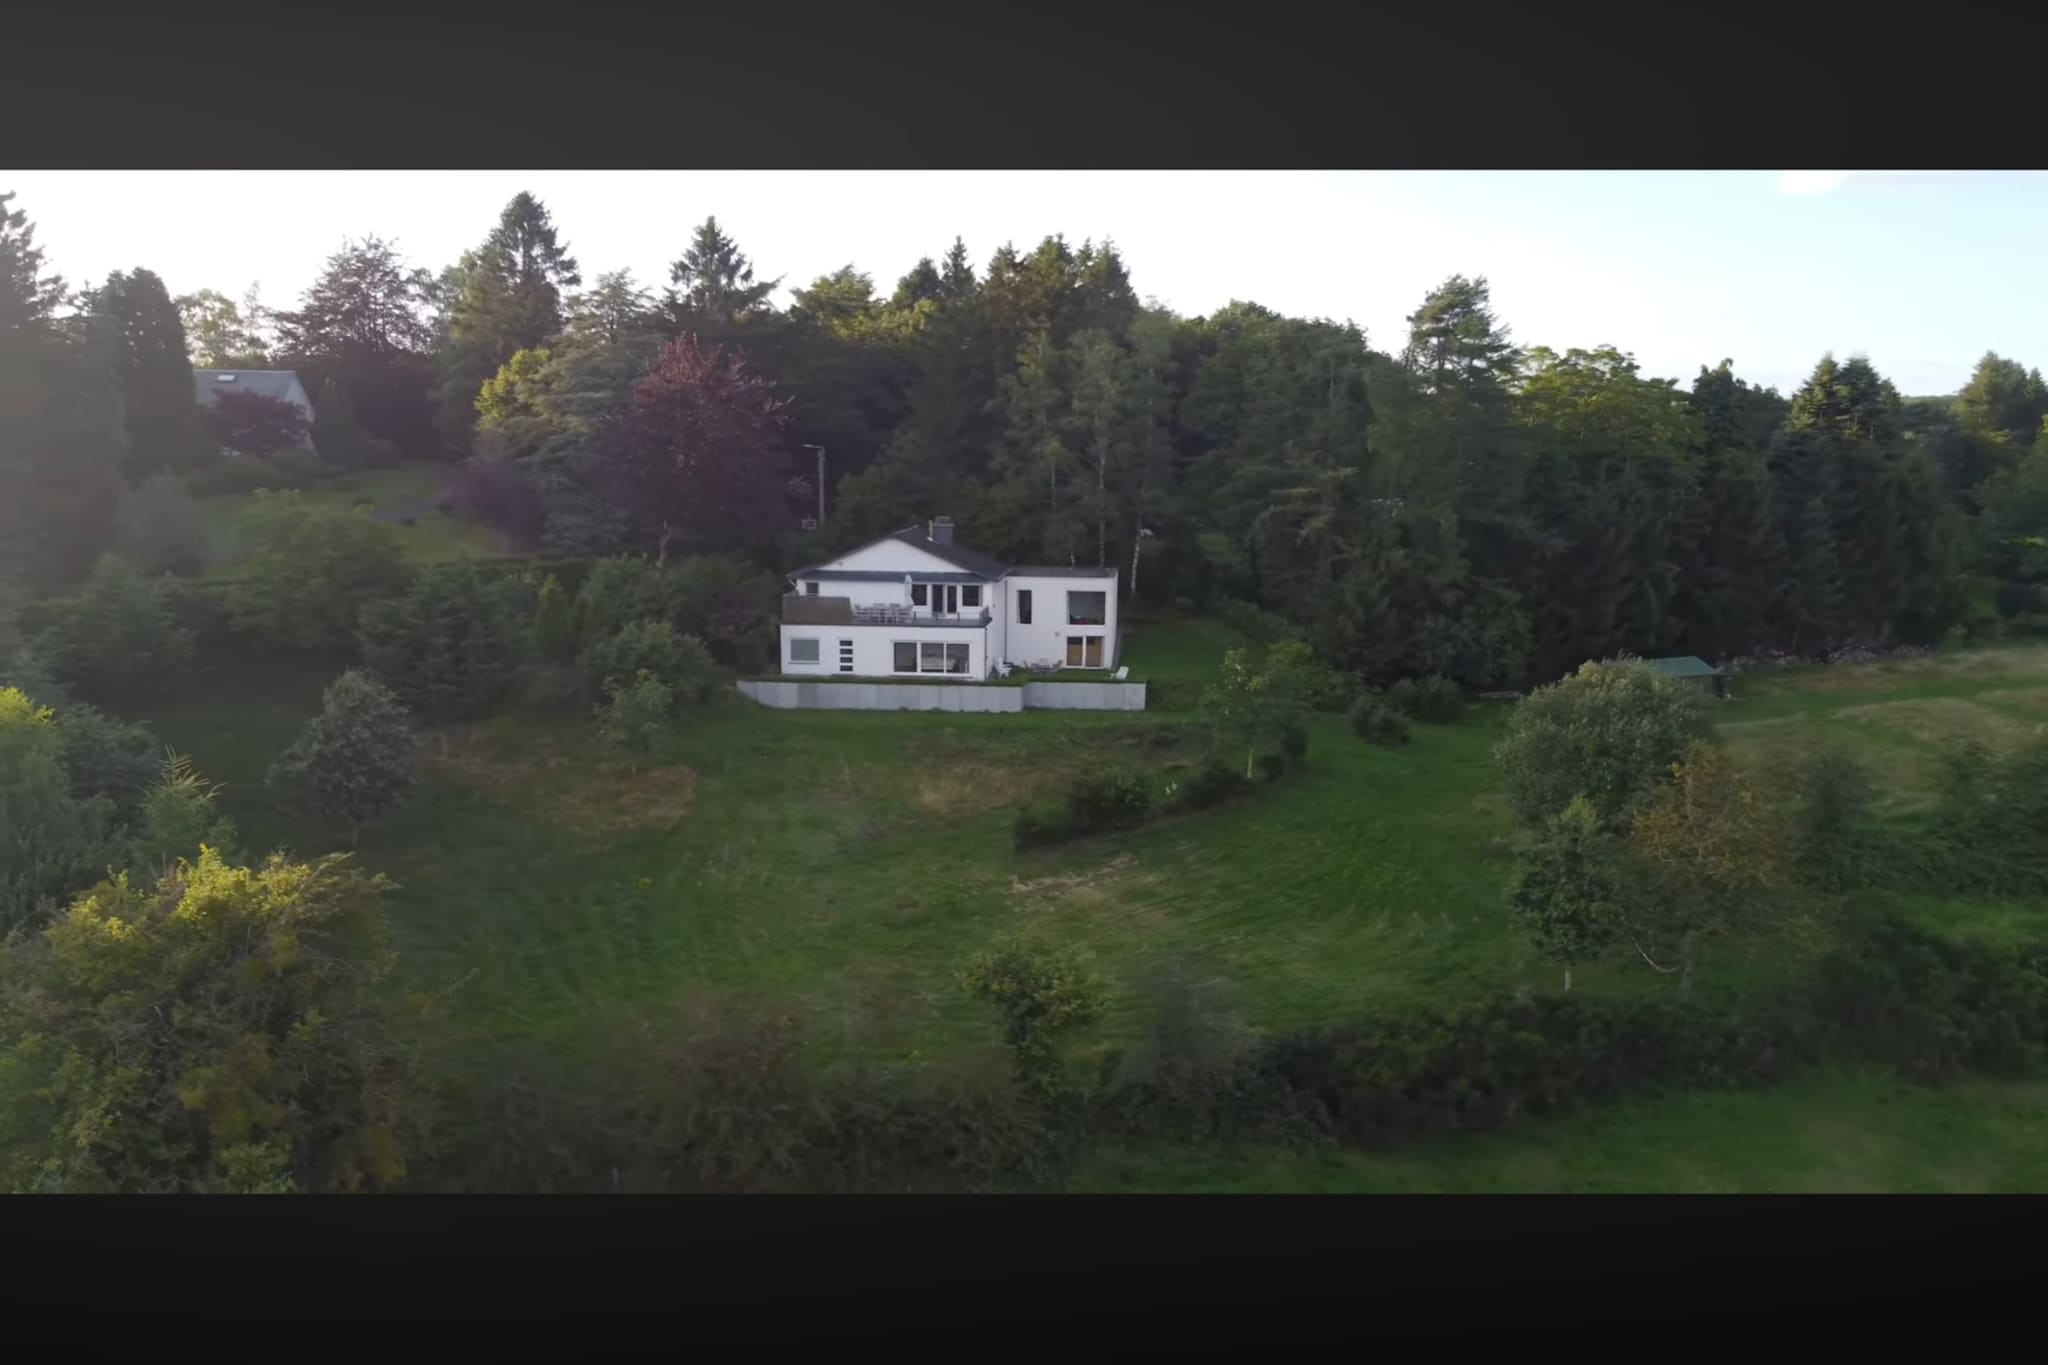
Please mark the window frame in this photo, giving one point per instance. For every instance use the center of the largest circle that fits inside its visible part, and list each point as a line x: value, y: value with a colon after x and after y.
x: 1100, y: 619
x: 896, y: 648
x: 920, y: 594
x: 1023, y: 606
x: 970, y: 596
x: 817, y: 654
x: 811, y: 588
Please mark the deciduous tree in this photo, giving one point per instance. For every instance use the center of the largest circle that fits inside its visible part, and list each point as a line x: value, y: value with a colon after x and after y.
x: 354, y: 760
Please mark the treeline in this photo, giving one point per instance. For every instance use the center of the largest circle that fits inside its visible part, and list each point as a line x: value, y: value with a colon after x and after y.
x: 1456, y: 504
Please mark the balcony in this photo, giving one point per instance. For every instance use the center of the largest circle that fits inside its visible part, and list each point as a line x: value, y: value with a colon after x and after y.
x: 801, y: 610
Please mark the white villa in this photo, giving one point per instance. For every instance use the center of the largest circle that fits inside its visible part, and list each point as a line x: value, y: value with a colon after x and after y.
x: 916, y: 603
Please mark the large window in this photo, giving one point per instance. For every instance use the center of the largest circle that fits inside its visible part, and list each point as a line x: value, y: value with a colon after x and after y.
x: 1023, y: 606
x: 803, y: 651
x: 931, y: 657
x: 1087, y: 608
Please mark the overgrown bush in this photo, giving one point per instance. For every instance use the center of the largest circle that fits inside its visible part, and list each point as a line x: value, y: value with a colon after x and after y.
x: 452, y: 644
x: 119, y: 637
x: 1831, y: 845
x: 1990, y: 826
x: 219, y: 1030
x: 158, y: 527
x: 1103, y: 802
x: 634, y: 713
x: 1434, y: 700
x: 1609, y: 732
x: 53, y: 841
x: 1211, y: 784
x: 1374, y: 720
x: 102, y: 756
x: 680, y: 662
x: 309, y: 572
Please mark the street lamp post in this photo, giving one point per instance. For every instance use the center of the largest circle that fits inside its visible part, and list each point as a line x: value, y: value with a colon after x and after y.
x: 821, y: 480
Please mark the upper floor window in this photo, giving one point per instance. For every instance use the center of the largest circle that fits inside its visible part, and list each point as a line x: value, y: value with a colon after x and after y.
x: 919, y: 594
x: 1023, y: 606
x: 1087, y: 608
x: 810, y: 589
x: 970, y: 595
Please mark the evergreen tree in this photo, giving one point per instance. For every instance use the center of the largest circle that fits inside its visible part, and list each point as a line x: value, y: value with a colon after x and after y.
x: 154, y: 371
x: 2003, y: 397
x: 712, y: 282
x: 356, y: 758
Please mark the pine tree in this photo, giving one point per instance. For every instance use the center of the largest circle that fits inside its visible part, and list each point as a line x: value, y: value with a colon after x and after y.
x: 713, y: 281
x: 154, y: 370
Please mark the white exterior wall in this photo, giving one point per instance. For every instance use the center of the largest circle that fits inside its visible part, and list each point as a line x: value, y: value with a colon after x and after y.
x: 862, y: 593
x: 1045, y: 639
x: 874, y: 652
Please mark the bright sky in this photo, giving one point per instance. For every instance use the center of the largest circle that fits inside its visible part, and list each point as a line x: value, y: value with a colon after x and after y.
x: 1923, y: 271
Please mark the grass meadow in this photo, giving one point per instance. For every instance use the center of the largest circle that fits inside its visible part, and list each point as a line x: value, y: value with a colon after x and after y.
x: 835, y: 867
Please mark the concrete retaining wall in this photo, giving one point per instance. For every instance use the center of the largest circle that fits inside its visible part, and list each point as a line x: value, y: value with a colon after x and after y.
x: 810, y: 696
x: 1084, y: 696
x: 1035, y: 696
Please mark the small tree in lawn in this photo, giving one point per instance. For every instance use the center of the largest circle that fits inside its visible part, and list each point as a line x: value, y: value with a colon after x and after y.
x: 257, y: 424
x: 356, y: 758
x: 633, y: 715
x: 703, y: 450
x: 1565, y: 887
x: 1257, y: 699
x: 1043, y: 992
x: 1713, y: 854
x: 1610, y: 732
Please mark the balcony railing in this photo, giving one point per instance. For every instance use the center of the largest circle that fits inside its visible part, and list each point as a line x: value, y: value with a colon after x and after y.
x: 892, y: 614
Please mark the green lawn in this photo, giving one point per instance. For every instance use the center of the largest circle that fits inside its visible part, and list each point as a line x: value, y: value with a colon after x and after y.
x: 432, y: 537
x: 837, y: 866
x: 1836, y: 1134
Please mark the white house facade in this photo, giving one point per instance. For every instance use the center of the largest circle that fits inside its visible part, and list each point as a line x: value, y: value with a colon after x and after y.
x: 916, y: 604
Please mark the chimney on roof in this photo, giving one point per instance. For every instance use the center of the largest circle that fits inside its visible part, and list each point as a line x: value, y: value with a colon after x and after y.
x: 939, y: 531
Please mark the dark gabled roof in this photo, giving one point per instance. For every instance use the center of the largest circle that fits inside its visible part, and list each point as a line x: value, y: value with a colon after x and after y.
x: 885, y: 576
x: 974, y: 561
x: 1059, y: 571
x: 1683, y: 666
x: 208, y: 385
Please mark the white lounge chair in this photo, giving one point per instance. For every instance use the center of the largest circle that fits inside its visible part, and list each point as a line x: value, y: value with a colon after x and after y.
x: 1121, y: 673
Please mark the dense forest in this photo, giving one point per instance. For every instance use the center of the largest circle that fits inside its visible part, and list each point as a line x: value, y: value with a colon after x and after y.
x: 1454, y: 503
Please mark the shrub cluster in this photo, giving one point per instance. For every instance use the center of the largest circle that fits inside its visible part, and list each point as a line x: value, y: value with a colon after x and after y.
x: 1375, y: 720
x: 1097, y: 804
x: 1434, y: 700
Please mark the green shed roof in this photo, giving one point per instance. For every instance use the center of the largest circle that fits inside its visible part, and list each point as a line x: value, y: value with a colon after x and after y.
x: 1684, y: 666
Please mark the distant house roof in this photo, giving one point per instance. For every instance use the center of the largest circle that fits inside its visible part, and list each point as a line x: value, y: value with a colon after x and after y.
x: 1684, y: 666
x: 977, y: 565
x: 974, y: 561
x: 279, y: 384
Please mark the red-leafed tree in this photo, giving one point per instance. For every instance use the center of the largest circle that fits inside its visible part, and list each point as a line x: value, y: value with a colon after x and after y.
x: 255, y: 424
x: 704, y: 450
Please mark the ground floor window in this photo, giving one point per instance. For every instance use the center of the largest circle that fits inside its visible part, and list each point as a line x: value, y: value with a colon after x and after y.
x: 1084, y: 651
x: 930, y: 657
x: 803, y: 651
